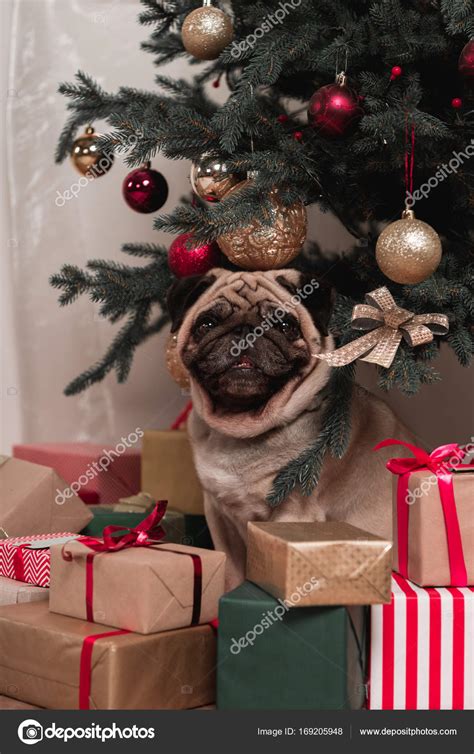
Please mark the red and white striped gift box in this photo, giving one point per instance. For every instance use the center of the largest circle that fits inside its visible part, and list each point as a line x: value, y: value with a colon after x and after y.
x: 19, y: 562
x: 422, y: 648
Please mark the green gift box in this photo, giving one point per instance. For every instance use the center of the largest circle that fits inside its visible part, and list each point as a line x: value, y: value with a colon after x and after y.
x: 272, y: 656
x: 180, y: 528
x: 105, y: 515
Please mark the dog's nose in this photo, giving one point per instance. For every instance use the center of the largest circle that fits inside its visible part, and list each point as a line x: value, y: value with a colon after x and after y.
x: 242, y: 330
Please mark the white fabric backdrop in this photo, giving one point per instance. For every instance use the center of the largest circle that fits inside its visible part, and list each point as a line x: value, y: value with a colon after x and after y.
x: 43, y: 347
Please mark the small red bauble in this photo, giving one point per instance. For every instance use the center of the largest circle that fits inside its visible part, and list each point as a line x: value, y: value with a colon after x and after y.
x: 334, y: 109
x: 186, y: 258
x: 396, y: 72
x: 298, y: 135
x: 282, y: 118
x: 456, y: 102
x: 145, y: 190
x: 466, y: 61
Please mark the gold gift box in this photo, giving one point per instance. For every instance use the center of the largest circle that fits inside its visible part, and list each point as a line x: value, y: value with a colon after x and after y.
x: 330, y: 563
x: 168, y: 471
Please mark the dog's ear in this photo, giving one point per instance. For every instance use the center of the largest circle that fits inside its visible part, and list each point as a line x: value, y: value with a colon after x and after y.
x: 183, y: 294
x: 316, y: 295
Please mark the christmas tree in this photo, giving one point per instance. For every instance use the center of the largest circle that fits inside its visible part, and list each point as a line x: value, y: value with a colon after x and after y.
x: 404, y: 73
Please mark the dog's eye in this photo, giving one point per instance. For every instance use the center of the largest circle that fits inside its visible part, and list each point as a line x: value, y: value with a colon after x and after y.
x: 205, y: 323
x: 289, y: 327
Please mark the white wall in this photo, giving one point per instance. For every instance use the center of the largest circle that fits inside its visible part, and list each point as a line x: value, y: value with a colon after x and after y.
x: 43, y: 347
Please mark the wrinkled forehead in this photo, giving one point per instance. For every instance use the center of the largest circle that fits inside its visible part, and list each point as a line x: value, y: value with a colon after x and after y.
x: 243, y: 296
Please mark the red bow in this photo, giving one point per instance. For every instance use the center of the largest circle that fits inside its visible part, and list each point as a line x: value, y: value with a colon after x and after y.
x: 435, y: 461
x: 148, y: 532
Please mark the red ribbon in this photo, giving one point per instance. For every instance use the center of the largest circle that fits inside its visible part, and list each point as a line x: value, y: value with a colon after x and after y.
x: 438, y: 463
x: 146, y: 534
x: 85, y: 667
x: 19, y: 563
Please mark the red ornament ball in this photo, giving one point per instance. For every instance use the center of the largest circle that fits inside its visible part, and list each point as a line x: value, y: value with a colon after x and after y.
x: 466, y: 61
x: 298, y: 135
x: 186, y: 258
x: 456, y: 102
x: 397, y: 71
x: 282, y: 118
x: 334, y: 109
x: 145, y: 190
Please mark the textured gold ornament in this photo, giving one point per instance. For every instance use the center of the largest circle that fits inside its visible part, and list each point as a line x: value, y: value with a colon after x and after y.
x: 87, y: 158
x: 174, y: 364
x: 388, y: 324
x: 408, y: 250
x: 206, y: 32
x: 211, y: 179
x: 267, y: 247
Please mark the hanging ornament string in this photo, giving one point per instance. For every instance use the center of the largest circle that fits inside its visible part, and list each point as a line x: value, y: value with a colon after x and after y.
x: 409, y: 159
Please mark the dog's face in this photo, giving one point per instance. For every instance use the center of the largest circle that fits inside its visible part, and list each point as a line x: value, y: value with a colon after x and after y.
x: 245, y: 344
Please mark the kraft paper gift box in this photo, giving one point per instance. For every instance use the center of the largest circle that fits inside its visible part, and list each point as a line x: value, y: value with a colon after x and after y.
x: 28, y: 501
x: 422, y: 649
x: 330, y: 563
x: 103, y: 473
x: 64, y: 663
x: 17, y: 592
x: 7, y: 702
x: 424, y: 550
x: 271, y: 657
x: 142, y: 589
x: 27, y: 559
x: 168, y: 471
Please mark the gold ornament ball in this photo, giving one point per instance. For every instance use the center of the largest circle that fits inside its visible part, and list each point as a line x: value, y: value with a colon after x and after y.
x: 267, y: 247
x: 408, y: 250
x: 211, y: 179
x: 175, y: 365
x: 206, y: 32
x: 87, y: 158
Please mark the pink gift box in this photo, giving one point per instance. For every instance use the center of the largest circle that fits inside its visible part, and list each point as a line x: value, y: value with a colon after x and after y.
x: 27, y: 559
x: 96, y: 473
x: 422, y: 648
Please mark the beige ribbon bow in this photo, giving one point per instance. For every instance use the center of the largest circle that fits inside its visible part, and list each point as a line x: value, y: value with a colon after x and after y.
x: 388, y: 324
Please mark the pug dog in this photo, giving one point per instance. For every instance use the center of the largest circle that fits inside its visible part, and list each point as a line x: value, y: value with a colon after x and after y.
x: 252, y: 343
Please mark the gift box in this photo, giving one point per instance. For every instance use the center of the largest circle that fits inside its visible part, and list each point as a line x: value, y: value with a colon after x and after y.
x: 7, y: 702
x: 168, y: 471
x: 196, y: 531
x: 16, y: 592
x: 422, y: 649
x: 96, y: 580
x: 330, y: 563
x: 274, y: 657
x: 106, y: 515
x: 433, y: 516
x: 35, y: 500
x: 101, y: 668
x: 97, y: 473
x: 27, y: 559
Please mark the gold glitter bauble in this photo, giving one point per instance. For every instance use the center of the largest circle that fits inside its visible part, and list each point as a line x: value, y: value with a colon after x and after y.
x: 408, y: 250
x: 87, y: 158
x: 267, y: 247
x: 174, y: 364
x: 211, y: 179
x: 206, y: 32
